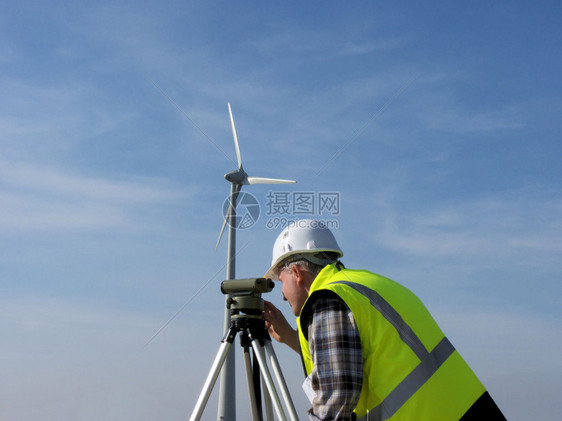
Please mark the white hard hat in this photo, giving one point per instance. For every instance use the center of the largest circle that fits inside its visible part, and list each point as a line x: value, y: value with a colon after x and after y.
x: 306, y: 237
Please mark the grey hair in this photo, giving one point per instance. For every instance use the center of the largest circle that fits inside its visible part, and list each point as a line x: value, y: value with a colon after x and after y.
x: 306, y: 265
x: 325, y: 257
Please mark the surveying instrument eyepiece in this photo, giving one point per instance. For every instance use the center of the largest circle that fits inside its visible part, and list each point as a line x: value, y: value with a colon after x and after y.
x: 246, y: 305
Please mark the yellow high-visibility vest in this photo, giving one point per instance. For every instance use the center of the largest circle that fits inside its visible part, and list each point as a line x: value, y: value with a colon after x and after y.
x: 411, y: 370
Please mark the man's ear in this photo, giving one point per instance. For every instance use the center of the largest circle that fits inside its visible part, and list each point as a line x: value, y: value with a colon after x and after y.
x: 297, y: 272
x: 301, y: 275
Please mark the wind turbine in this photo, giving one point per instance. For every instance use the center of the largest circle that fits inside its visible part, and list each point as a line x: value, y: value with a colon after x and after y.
x: 237, y: 179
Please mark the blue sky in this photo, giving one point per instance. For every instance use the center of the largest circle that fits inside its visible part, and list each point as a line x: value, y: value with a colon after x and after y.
x: 437, y: 126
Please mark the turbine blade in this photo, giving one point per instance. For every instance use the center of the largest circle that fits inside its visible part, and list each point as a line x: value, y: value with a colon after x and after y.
x: 262, y: 180
x: 231, y: 207
x: 222, y: 231
x: 238, y: 157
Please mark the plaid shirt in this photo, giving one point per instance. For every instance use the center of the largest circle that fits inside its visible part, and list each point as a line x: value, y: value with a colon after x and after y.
x: 335, y: 347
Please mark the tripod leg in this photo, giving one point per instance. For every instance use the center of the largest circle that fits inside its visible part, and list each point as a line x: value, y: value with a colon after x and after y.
x: 251, y: 388
x: 212, y: 377
x: 267, y: 404
x: 280, y: 380
x: 260, y: 354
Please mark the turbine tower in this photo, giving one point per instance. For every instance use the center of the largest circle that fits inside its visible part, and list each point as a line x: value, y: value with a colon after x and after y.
x: 237, y: 179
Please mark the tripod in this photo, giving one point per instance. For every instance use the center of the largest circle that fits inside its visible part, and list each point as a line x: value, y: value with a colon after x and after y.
x: 246, y: 319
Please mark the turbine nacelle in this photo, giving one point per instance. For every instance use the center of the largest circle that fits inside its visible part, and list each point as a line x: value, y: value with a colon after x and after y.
x: 241, y: 177
x: 237, y: 177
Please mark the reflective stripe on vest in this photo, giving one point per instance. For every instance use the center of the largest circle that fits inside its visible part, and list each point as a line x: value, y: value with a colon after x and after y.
x: 429, y: 361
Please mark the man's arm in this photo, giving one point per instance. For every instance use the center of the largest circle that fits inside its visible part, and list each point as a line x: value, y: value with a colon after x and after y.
x: 335, y: 347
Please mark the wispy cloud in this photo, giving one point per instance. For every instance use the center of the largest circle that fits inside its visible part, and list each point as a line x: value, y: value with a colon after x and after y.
x: 369, y: 47
x: 440, y: 106
x: 37, y: 197
x: 500, y: 225
x: 41, y: 120
x: 455, y: 120
x: 320, y: 43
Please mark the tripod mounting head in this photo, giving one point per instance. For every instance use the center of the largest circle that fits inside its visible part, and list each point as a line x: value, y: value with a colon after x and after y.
x: 245, y: 294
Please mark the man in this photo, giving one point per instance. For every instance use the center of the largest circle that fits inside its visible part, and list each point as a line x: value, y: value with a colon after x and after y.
x: 370, y: 348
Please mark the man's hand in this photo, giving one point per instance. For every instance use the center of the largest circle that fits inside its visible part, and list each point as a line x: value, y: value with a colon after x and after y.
x: 279, y: 328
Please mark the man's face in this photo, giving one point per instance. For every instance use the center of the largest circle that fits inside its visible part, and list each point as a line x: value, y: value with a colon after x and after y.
x: 293, y: 288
